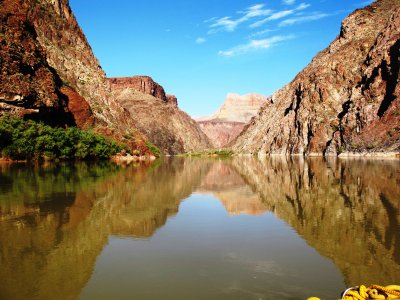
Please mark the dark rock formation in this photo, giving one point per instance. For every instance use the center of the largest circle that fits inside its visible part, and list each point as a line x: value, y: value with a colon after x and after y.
x: 345, y: 100
x: 48, y: 72
x: 159, y: 118
x: 79, y: 108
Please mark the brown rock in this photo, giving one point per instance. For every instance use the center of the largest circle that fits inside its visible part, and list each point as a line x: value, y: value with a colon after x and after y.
x: 169, y: 128
x: 143, y: 84
x: 345, y: 100
x: 171, y: 99
x: 79, y: 108
x: 228, y: 122
x: 221, y: 132
x: 48, y: 71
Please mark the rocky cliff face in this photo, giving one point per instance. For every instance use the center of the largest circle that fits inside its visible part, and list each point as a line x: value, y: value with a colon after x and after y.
x: 48, y: 71
x: 345, y: 100
x: 143, y: 84
x: 228, y: 122
x: 157, y: 115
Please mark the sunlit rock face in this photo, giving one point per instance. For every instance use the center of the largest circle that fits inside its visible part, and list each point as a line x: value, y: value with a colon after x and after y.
x: 49, y: 72
x: 345, y: 100
x: 228, y: 122
x: 157, y: 115
x: 339, y: 207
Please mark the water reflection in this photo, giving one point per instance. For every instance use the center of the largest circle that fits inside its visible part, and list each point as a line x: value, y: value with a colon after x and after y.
x: 348, y: 210
x: 56, y: 219
x: 229, y: 187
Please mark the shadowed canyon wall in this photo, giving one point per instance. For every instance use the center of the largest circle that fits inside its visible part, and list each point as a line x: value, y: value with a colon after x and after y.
x: 49, y: 72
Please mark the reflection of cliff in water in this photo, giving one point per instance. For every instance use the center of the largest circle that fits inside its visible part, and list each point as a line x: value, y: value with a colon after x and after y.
x: 347, y: 210
x: 56, y: 220
x: 226, y: 184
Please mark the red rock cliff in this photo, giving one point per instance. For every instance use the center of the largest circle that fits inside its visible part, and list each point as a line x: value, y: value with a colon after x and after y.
x: 159, y: 118
x: 143, y: 84
x: 48, y: 71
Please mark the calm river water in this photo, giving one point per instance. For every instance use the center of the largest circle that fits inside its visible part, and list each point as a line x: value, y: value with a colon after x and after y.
x: 279, y: 228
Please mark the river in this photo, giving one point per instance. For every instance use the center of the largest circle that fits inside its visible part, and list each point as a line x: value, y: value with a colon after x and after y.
x: 182, y: 228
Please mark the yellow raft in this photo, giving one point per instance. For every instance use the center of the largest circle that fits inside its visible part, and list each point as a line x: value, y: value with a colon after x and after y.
x: 372, y: 292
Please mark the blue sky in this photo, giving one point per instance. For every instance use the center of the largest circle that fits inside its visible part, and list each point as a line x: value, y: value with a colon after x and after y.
x: 202, y: 50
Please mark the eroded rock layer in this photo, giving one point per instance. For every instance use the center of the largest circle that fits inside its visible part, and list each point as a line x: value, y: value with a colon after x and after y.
x: 345, y: 100
x: 228, y: 122
x: 48, y: 72
x: 157, y: 115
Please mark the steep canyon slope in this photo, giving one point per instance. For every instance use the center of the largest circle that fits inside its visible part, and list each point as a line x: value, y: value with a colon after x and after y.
x: 49, y: 72
x: 345, y: 101
x: 228, y: 122
x: 157, y: 115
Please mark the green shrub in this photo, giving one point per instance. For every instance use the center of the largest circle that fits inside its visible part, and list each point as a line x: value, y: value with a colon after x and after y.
x: 154, y: 149
x: 21, y: 139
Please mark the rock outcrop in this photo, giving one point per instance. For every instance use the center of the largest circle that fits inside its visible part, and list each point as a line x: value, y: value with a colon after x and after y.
x: 345, y: 100
x: 157, y: 115
x: 143, y: 84
x: 228, y: 122
x: 48, y: 72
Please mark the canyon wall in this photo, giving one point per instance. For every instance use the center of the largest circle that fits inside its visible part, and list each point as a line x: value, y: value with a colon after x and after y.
x: 228, y: 122
x: 345, y: 100
x: 49, y: 73
x: 157, y: 115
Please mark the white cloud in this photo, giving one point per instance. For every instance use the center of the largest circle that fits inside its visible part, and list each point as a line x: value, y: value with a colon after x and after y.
x: 229, y: 24
x: 210, y: 20
x: 303, y: 19
x: 254, y: 45
x: 279, y: 15
x: 261, y: 33
x: 224, y: 23
x: 200, y: 40
x: 302, y: 6
x: 289, y: 2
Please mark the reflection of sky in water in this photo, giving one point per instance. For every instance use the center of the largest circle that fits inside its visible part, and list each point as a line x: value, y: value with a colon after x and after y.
x: 203, y: 253
x: 283, y: 228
